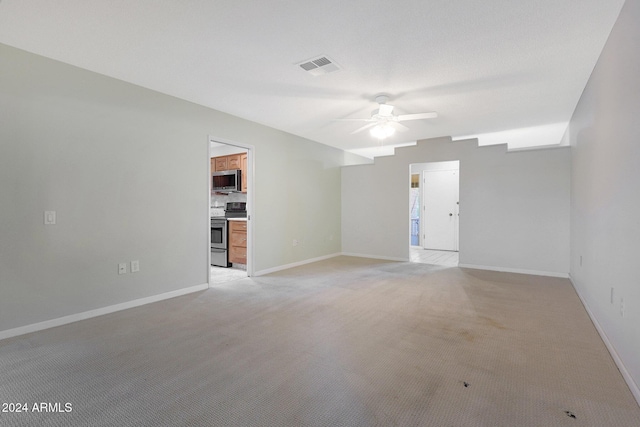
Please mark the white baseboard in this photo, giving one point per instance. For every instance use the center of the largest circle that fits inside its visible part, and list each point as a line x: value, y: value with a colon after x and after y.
x: 293, y: 264
x: 385, y: 258
x: 635, y: 390
x: 516, y: 270
x: 98, y: 312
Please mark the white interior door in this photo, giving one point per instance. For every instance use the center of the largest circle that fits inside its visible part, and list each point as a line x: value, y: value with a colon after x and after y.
x: 440, y: 204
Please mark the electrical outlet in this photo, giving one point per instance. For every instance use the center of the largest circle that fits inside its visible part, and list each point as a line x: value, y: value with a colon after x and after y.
x: 135, y: 266
x: 612, y: 295
x: 122, y: 268
x: 622, y: 308
x: 295, y: 242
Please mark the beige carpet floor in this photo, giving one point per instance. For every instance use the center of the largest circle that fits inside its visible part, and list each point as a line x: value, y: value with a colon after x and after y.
x: 343, y: 342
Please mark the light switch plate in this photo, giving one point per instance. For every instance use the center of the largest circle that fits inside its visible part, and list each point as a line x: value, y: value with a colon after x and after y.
x: 49, y: 217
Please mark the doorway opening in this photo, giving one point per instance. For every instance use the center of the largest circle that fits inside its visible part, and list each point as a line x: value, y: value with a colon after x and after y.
x: 230, y: 253
x: 434, y: 213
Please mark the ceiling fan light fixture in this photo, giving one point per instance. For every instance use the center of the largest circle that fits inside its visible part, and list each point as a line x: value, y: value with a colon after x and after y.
x: 382, y: 130
x: 383, y: 122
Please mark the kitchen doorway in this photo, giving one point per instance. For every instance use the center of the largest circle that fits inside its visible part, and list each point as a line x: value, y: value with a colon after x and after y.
x: 434, y: 213
x: 230, y: 196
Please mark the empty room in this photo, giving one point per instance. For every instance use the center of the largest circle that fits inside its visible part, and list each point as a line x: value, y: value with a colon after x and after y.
x: 235, y: 213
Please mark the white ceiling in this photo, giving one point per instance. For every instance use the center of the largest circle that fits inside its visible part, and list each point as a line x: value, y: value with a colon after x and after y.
x: 484, y: 66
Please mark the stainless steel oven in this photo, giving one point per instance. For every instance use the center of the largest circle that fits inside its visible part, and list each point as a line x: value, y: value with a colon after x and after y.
x: 219, y: 235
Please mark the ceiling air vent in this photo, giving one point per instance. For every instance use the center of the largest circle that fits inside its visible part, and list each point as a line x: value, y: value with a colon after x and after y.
x: 318, y: 66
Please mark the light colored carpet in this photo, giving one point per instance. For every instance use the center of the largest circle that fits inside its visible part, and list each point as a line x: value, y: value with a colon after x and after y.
x: 343, y: 342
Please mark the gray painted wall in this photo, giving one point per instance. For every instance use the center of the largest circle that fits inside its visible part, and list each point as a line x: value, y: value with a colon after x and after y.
x: 126, y: 169
x: 514, y: 207
x: 605, y: 204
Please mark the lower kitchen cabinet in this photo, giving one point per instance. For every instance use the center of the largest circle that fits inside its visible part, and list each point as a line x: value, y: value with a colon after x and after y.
x: 238, y: 241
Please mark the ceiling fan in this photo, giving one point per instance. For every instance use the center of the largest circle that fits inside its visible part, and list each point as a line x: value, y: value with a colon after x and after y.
x: 383, y: 123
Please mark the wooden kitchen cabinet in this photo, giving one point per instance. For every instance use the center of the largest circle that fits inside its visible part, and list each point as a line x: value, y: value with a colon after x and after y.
x: 243, y: 168
x: 227, y: 163
x: 233, y: 162
x: 238, y: 241
x: 221, y: 163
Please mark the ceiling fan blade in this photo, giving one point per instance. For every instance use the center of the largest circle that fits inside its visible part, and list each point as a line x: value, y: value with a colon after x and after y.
x: 353, y: 120
x: 398, y: 126
x: 385, y: 110
x: 363, y: 128
x: 417, y: 116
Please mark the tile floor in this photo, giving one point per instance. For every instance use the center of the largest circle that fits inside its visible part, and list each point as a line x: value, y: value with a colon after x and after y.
x: 224, y: 275
x: 428, y: 256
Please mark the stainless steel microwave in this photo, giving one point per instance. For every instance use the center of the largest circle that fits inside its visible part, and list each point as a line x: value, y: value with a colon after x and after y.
x: 226, y: 181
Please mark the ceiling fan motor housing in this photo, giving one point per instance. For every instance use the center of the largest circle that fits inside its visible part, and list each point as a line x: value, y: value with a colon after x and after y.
x: 382, y: 99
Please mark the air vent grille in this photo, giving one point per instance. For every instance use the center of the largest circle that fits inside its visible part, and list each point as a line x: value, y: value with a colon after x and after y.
x: 319, y: 65
x: 308, y: 66
x: 321, y: 62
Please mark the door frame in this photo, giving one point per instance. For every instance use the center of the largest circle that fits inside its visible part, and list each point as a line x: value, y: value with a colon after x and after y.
x: 420, y: 168
x: 250, y: 201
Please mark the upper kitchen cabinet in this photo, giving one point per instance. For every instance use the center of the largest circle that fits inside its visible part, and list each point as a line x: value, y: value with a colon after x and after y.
x: 243, y: 167
x: 228, y: 163
x: 221, y: 163
x: 232, y: 162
